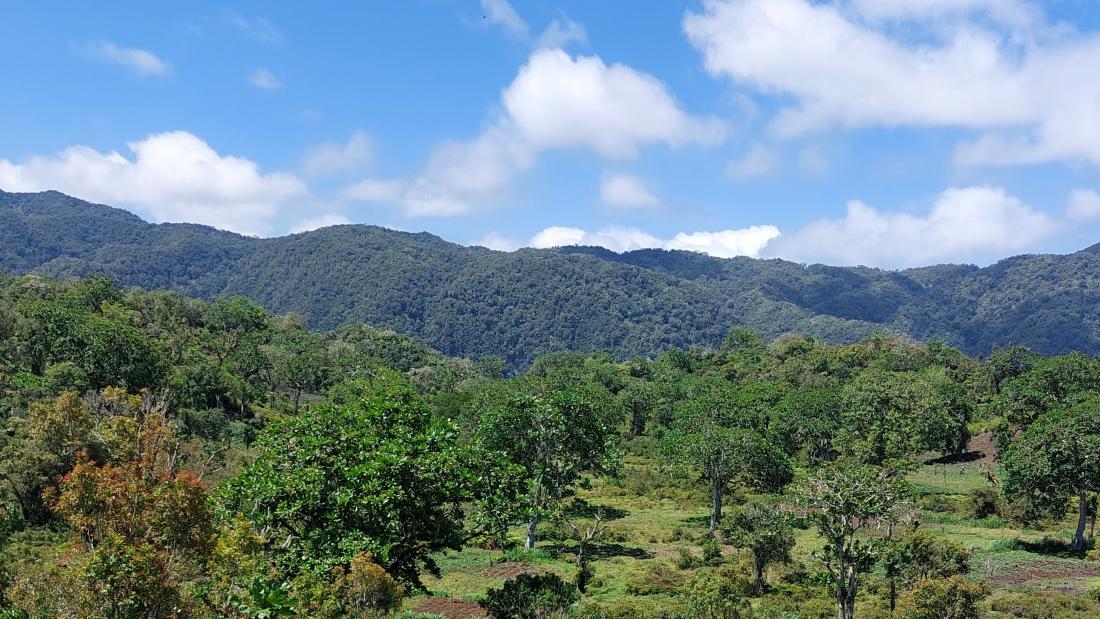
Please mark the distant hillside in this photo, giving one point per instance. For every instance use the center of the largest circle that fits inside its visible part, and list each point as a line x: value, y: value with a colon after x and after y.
x: 473, y: 301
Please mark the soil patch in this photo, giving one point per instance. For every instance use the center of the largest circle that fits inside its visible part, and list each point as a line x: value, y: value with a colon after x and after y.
x: 452, y: 608
x: 1030, y: 571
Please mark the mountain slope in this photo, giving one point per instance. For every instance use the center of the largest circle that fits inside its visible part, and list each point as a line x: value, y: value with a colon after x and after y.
x: 473, y: 301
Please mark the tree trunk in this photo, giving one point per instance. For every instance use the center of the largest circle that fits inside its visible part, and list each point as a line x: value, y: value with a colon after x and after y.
x: 582, y: 569
x: 532, y: 527
x: 758, y: 573
x: 1079, y: 543
x: 715, y: 506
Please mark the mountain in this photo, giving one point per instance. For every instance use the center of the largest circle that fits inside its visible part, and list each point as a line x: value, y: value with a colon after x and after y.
x: 473, y: 301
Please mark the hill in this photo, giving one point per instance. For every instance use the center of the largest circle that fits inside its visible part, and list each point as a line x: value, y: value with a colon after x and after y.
x: 471, y: 301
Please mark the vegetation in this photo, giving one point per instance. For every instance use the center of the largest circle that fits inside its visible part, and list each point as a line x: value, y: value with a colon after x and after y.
x: 169, y: 457
x: 472, y: 302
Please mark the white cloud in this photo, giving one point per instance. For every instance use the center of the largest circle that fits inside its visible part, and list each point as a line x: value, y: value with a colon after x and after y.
x: 722, y: 244
x: 331, y: 157
x: 172, y: 176
x: 264, y: 79
x: 501, y: 13
x: 1036, y: 97
x: 561, y: 34
x: 726, y: 243
x: 626, y: 191
x: 758, y: 161
x: 258, y: 29
x: 137, y: 60
x: 1084, y: 204
x: 1010, y: 12
x: 556, y: 102
x: 496, y: 241
x: 313, y: 223
x: 972, y: 223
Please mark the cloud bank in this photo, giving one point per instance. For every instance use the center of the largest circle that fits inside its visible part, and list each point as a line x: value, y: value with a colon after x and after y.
x: 173, y: 176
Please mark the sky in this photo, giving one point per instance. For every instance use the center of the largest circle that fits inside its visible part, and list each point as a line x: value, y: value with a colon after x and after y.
x: 889, y: 133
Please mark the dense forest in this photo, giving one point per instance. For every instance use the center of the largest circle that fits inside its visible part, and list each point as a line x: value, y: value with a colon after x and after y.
x: 473, y: 302
x: 162, y: 456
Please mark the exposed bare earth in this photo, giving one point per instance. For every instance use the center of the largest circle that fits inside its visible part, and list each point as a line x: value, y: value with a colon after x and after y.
x: 452, y: 608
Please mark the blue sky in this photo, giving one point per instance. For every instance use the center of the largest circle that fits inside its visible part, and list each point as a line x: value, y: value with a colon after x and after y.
x: 884, y: 132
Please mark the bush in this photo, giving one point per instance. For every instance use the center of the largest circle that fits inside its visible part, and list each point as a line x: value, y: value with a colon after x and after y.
x: 685, y: 559
x: 714, y: 594
x: 985, y: 502
x: 950, y: 598
x: 658, y: 579
x: 527, y: 596
x: 712, y: 551
x: 366, y: 589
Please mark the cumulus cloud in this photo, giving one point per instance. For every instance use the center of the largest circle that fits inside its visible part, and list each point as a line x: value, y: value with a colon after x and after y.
x: 1084, y: 204
x: 723, y: 243
x: 324, y: 221
x: 626, y: 191
x: 496, y: 241
x: 972, y: 223
x: 264, y: 79
x: 556, y: 102
x: 1034, y: 97
x: 333, y: 157
x: 758, y: 161
x: 139, y: 61
x: 173, y: 176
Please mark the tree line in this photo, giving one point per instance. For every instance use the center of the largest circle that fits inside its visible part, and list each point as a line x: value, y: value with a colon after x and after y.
x: 169, y: 457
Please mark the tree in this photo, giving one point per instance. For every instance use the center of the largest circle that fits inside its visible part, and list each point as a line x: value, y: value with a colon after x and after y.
x: 555, y: 436
x: 892, y: 415
x: 809, y: 419
x: 1054, y: 460
x: 139, y: 530
x: 379, y: 475
x: 842, y: 500
x: 918, y: 555
x: 1051, y: 384
x: 300, y: 363
x: 638, y: 399
x: 585, y: 533
x: 723, y: 456
x: 763, y: 529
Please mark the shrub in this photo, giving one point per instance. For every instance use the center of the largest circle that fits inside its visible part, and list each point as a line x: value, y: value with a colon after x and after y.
x: 949, y: 598
x: 985, y: 502
x: 712, y: 551
x: 366, y: 589
x: 527, y: 596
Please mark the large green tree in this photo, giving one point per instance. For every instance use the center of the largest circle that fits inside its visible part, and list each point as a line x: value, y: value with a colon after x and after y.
x: 555, y: 433
x: 379, y: 475
x: 1056, y: 460
x: 724, y: 456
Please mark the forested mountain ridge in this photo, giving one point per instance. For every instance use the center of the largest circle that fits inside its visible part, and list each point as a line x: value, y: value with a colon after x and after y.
x: 472, y: 301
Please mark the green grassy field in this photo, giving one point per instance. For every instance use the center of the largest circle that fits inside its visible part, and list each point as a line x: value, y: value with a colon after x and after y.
x: 650, y: 555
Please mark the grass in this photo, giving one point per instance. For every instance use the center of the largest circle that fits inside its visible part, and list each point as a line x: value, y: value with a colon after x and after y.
x: 664, y: 514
